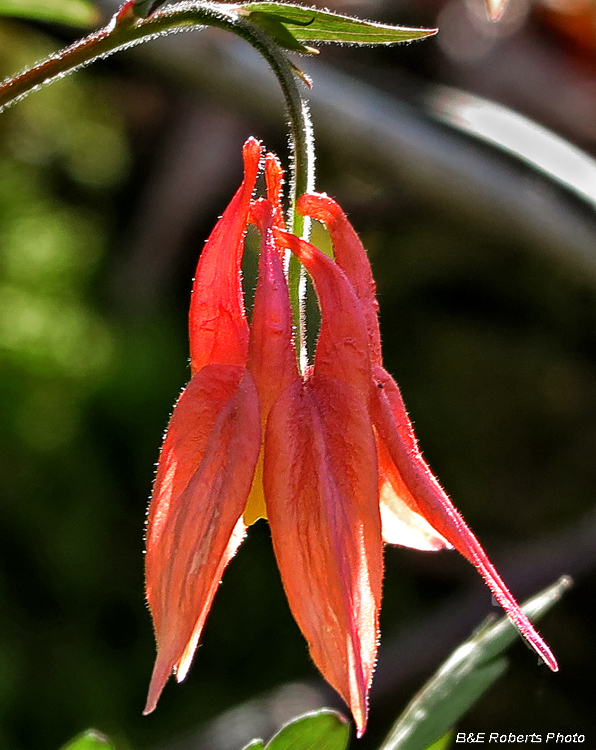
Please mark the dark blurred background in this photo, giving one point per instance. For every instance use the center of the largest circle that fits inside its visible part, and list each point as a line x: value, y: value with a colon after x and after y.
x: 111, y: 180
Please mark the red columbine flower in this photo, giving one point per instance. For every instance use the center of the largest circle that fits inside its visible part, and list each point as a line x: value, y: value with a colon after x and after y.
x: 330, y: 456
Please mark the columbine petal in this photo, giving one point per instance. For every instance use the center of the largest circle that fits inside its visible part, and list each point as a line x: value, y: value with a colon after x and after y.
x: 217, y: 319
x: 198, y: 500
x: 320, y: 474
x: 274, y: 180
x: 400, y: 524
x: 351, y: 257
x: 342, y: 347
x: 207, y: 462
x: 321, y: 484
x: 272, y: 358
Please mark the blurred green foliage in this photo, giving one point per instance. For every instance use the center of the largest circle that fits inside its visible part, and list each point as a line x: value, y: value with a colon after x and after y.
x: 75, y: 12
x: 61, y: 152
x: 324, y: 730
x: 442, y: 743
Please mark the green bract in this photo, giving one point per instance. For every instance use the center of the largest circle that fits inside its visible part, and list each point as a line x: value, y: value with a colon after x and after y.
x: 323, y: 26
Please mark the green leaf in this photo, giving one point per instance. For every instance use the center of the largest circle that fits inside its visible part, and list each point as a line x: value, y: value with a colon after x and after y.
x: 319, y: 730
x: 442, y: 743
x: 314, y: 25
x: 89, y: 740
x: 255, y: 745
x: 277, y: 30
x: 447, y: 700
x: 463, y: 678
x: 72, y: 12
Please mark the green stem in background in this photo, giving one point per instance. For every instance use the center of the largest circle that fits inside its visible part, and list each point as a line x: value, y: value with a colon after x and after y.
x: 126, y: 30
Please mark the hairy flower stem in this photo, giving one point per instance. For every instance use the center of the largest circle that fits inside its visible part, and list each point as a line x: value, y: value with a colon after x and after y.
x: 302, y: 167
x: 126, y: 30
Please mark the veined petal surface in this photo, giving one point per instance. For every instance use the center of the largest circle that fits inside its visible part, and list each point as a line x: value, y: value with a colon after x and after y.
x: 194, y: 524
x: 321, y: 485
x: 321, y: 476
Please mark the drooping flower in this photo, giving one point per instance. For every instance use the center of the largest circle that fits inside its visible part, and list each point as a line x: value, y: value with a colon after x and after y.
x: 328, y: 456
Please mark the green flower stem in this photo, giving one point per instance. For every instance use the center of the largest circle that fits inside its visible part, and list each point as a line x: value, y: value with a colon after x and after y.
x: 126, y: 30
x: 302, y: 168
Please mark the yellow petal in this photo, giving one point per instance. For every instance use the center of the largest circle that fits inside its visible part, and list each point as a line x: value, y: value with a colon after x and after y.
x: 255, y: 505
